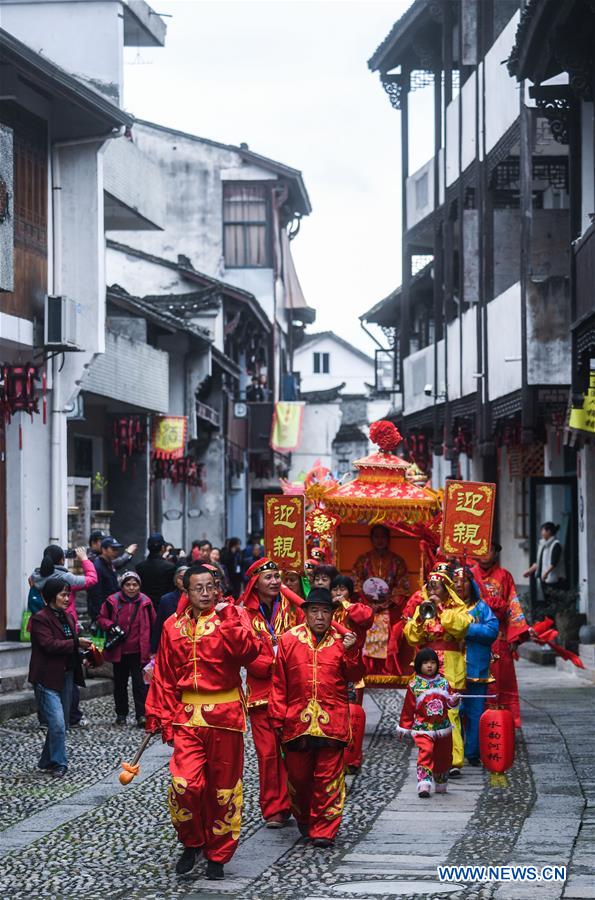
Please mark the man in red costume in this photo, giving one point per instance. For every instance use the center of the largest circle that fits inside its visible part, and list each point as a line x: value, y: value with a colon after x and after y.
x: 272, y: 609
x: 310, y: 709
x: 195, y: 700
x: 499, y: 592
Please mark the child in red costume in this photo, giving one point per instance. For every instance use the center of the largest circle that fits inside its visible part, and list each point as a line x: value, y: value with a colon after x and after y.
x: 425, y: 717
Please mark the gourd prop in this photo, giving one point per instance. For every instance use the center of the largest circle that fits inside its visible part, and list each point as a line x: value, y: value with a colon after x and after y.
x: 130, y: 770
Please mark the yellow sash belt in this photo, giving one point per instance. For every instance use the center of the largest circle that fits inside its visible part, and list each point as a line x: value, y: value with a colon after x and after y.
x: 204, y: 698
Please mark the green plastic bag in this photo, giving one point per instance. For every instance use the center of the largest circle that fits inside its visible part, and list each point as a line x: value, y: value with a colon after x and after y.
x: 25, y: 633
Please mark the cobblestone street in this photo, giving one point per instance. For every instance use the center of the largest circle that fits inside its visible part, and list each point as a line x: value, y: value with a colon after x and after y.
x: 88, y: 836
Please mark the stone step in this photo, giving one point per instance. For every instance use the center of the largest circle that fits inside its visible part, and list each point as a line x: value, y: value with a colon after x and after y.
x: 13, y: 679
x: 14, y: 655
x: 14, y: 704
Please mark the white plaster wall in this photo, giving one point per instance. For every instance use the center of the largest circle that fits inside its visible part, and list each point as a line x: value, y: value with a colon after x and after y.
x: 549, y: 350
x: 345, y: 366
x: 132, y: 372
x: 468, y: 100
x: 452, y: 141
x: 320, y: 425
x: 86, y: 39
x: 81, y: 248
x: 28, y: 508
x: 376, y: 409
x: 504, y: 330
x: 141, y: 277
x: 415, y: 212
x: 462, y: 383
x: 587, y: 185
x: 128, y: 173
x: 440, y: 471
x: 193, y: 220
x: 515, y: 551
x: 502, y: 91
x: 418, y: 370
x: 260, y: 282
x: 193, y: 172
x: 586, y: 528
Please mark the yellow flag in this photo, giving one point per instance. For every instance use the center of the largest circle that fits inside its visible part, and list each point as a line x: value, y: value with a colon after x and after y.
x: 584, y: 419
x: 286, y: 427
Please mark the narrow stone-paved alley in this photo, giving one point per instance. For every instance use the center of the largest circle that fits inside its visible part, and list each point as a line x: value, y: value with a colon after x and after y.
x: 86, y: 835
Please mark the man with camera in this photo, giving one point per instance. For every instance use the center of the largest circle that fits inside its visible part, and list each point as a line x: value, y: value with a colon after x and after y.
x: 107, y: 577
x: 128, y: 616
x: 94, y: 549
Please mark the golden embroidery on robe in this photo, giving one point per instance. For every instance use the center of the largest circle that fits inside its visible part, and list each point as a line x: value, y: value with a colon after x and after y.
x: 314, y: 716
x: 336, y: 785
x: 232, y: 820
x: 178, y: 813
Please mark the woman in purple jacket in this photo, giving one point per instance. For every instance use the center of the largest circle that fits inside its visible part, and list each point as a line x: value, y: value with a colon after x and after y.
x: 55, y: 666
x: 134, y: 613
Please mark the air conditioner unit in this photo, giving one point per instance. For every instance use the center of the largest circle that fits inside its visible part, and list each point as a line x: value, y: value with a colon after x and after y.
x: 60, y: 323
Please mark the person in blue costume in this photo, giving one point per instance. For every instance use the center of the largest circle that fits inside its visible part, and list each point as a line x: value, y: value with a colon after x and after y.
x: 481, y: 634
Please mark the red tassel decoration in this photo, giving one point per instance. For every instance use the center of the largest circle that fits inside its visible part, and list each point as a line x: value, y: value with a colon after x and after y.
x: 44, y: 402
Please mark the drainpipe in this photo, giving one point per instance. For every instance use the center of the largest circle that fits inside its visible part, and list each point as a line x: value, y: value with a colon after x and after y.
x: 56, y: 411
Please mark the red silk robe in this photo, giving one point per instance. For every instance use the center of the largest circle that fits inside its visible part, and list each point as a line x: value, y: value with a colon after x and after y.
x: 499, y: 592
x: 274, y: 799
x: 195, y: 699
x: 357, y: 617
x: 309, y: 707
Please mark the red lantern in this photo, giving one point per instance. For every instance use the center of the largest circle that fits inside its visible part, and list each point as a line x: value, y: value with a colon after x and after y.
x: 129, y: 438
x: 18, y: 394
x: 496, y: 743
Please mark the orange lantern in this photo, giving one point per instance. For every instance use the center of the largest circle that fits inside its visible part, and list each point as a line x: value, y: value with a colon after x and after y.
x: 496, y: 744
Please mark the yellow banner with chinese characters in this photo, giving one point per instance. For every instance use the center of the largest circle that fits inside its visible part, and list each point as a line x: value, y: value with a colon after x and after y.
x: 286, y: 427
x: 584, y: 419
x: 468, y: 517
x: 284, y: 534
x: 169, y: 436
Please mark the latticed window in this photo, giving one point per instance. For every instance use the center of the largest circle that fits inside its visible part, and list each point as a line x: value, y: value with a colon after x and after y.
x: 246, y: 238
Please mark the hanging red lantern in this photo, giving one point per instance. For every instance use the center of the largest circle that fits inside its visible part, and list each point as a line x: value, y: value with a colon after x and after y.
x: 496, y: 744
x: 18, y: 393
x: 129, y: 438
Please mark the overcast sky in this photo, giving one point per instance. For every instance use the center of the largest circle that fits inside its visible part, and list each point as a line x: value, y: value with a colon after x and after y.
x: 290, y: 78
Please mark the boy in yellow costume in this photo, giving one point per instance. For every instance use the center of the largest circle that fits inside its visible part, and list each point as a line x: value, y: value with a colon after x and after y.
x: 440, y: 621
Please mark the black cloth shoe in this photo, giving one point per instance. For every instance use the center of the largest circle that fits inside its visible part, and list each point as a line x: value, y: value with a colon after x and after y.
x: 455, y: 772
x: 474, y: 760
x: 187, y: 861
x: 304, y: 830
x: 58, y: 771
x: 141, y: 721
x: 423, y: 795
x: 120, y: 720
x: 322, y: 842
x: 215, y: 871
